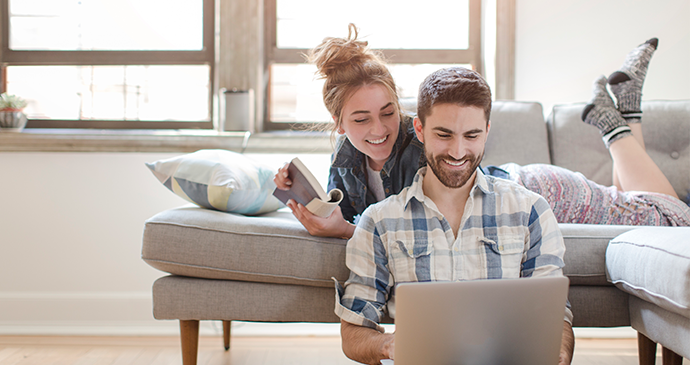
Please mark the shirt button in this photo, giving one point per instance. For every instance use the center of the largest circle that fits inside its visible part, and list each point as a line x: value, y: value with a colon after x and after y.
x: 456, y: 249
x: 353, y: 203
x: 388, y: 191
x: 675, y: 155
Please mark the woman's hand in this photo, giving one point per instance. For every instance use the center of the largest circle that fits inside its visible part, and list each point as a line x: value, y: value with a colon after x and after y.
x: 333, y: 226
x: 281, y: 179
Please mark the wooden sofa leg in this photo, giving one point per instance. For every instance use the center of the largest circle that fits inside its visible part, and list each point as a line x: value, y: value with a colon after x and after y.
x: 646, y: 350
x: 670, y: 358
x: 226, y: 334
x: 189, y: 336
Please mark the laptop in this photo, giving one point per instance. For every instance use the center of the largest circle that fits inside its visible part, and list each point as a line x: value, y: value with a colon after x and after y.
x: 483, y: 322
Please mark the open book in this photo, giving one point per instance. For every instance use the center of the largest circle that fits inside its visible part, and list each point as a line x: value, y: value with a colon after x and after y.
x: 307, y: 191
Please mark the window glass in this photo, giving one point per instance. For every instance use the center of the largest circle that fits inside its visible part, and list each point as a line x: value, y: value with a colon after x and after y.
x: 438, y: 24
x: 137, y: 93
x: 70, y: 25
x: 296, y: 93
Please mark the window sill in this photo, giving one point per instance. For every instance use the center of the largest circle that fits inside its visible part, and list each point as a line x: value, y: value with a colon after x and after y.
x: 95, y: 140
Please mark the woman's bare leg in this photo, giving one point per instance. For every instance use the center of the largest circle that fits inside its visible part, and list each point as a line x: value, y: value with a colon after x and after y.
x: 636, y: 129
x: 621, y: 130
x: 626, y: 85
x: 635, y: 170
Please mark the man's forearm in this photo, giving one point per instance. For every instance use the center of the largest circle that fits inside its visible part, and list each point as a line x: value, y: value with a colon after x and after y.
x: 567, y: 344
x: 365, y: 345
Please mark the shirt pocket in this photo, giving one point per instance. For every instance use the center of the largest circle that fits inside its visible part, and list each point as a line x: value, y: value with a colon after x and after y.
x: 504, y: 257
x: 411, y: 261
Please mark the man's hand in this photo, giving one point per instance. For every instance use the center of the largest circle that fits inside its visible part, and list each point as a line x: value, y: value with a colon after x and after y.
x: 366, y: 345
x: 333, y: 226
x: 567, y: 345
x: 389, y: 348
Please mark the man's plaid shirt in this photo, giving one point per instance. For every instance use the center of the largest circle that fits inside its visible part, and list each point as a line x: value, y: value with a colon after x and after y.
x: 506, y: 231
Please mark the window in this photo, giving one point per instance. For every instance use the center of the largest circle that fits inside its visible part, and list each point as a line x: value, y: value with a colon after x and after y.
x: 293, y: 96
x: 121, y: 64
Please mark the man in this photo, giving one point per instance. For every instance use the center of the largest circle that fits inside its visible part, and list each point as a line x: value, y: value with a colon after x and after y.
x: 453, y: 223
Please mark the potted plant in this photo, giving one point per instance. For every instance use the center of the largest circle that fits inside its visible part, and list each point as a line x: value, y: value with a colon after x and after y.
x: 12, y: 117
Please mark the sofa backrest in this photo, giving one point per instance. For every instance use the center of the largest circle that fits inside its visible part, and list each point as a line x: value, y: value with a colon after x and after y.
x: 518, y: 134
x: 666, y: 128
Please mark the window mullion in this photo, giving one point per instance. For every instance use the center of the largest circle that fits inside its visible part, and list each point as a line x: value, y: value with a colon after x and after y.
x: 107, y: 57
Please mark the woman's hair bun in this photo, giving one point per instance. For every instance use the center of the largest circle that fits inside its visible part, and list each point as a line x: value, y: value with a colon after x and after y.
x: 335, y: 55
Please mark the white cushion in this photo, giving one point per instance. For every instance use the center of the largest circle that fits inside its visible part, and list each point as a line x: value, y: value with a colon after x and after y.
x: 653, y: 264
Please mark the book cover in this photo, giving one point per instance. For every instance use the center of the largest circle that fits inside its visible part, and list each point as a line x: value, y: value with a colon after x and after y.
x: 306, y: 190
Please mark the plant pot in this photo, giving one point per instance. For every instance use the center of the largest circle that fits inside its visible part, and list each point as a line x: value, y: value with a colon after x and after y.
x: 12, y: 121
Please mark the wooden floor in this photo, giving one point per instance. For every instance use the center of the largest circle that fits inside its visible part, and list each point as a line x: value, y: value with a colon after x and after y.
x: 30, y: 350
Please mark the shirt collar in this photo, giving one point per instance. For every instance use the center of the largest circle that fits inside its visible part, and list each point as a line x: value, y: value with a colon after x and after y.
x: 346, y: 155
x: 480, y: 182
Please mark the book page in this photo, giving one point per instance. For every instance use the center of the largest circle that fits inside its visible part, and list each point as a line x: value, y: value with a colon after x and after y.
x: 325, y: 208
x: 306, y: 190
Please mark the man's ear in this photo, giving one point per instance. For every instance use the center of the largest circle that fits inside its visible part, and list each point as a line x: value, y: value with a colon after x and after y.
x: 340, y: 129
x: 418, y: 129
x: 488, y: 128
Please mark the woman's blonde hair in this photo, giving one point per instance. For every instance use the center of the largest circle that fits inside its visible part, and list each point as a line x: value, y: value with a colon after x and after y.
x: 348, y: 64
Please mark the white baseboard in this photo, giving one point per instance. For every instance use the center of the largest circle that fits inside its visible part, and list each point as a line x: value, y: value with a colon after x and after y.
x: 130, y: 314
x: 610, y: 332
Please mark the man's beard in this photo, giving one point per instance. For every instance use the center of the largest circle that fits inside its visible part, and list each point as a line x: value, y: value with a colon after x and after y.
x: 453, y: 179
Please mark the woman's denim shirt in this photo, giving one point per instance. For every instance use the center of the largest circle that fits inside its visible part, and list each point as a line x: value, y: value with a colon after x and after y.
x: 348, y: 170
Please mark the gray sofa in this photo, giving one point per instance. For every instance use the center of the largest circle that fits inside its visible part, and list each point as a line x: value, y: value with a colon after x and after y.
x: 267, y: 268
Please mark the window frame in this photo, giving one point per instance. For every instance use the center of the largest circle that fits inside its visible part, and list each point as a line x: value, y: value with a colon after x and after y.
x: 272, y: 55
x: 205, y: 56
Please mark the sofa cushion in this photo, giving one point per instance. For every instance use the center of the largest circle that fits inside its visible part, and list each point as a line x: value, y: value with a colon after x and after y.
x: 585, y: 251
x: 653, y: 263
x: 275, y: 248
x: 510, y: 119
x: 666, y: 127
x: 271, y: 248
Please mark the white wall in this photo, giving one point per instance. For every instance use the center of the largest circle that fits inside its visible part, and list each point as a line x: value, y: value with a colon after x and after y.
x: 70, y: 240
x: 562, y: 46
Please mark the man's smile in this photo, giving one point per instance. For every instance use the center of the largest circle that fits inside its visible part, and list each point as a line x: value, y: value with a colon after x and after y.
x: 455, y: 163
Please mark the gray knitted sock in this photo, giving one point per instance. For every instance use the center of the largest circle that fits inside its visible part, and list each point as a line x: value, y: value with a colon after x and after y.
x: 601, y: 112
x: 626, y: 83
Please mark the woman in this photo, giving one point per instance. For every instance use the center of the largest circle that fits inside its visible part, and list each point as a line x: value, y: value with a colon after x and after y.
x: 381, y: 154
x: 641, y: 194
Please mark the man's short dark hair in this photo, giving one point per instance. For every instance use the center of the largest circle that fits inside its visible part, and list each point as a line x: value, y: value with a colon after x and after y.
x: 453, y: 85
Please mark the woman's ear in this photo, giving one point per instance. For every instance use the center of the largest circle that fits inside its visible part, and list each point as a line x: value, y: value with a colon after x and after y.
x: 340, y: 129
x: 418, y: 129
